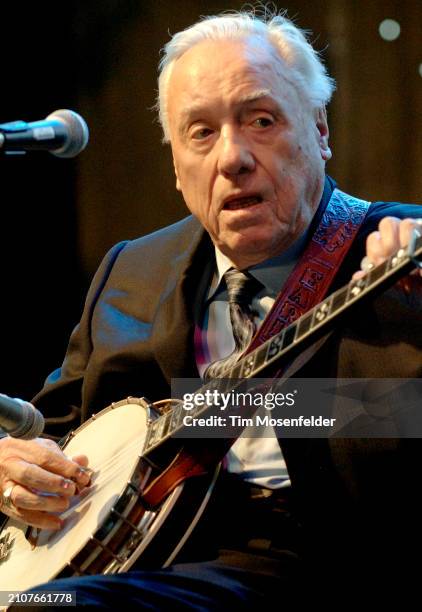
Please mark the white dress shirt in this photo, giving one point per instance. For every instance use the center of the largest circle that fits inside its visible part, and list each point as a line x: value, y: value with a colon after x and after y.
x: 257, y: 458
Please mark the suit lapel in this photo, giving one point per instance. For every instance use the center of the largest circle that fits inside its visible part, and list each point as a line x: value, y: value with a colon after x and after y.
x: 173, y: 327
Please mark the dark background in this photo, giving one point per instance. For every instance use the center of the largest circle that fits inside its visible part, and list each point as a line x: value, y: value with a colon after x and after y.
x: 99, y: 57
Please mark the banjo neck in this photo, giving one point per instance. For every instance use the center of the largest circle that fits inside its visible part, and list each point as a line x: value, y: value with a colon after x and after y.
x: 294, y: 338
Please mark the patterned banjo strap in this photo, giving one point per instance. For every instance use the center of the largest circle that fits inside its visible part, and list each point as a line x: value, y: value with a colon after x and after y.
x: 312, y: 276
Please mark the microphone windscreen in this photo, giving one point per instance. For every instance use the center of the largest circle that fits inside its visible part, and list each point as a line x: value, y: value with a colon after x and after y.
x: 77, y: 129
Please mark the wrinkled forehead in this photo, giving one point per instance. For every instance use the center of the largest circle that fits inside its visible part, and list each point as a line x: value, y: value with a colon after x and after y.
x: 228, y: 65
x: 213, y: 55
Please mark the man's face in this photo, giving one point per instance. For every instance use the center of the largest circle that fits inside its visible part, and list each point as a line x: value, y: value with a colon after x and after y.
x: 249, y: 153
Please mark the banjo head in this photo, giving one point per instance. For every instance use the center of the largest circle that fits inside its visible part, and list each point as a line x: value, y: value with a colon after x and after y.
x: 113, y: 440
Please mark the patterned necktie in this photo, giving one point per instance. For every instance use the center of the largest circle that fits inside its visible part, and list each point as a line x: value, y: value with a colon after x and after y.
x: 241, y: 288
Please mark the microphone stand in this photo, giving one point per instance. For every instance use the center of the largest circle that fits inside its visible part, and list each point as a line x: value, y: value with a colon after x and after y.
x: 13, y: 127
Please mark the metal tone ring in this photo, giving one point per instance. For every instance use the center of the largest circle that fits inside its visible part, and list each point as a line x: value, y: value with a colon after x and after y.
x: 366, y: 264
x: 6, y: 497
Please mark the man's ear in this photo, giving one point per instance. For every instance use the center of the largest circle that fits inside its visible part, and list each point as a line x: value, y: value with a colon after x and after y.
x: 324, y: 134
x: 178, y: 187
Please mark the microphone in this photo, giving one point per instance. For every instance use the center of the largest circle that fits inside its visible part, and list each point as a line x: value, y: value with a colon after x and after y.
x: 63, y: 133
x: 20, y: 419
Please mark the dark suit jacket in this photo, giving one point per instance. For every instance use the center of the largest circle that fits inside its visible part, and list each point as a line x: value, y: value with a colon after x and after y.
x: 136, y: 333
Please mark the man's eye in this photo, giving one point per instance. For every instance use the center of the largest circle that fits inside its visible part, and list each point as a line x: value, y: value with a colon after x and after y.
x: 262, y: 122
x: 201, y: 133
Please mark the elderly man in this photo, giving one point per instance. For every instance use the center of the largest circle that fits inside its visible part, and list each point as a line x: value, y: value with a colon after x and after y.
x: 242, y: 104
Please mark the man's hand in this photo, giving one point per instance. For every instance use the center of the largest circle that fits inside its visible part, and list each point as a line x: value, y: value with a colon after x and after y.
x: 43, y: 480
x: 392, y: 235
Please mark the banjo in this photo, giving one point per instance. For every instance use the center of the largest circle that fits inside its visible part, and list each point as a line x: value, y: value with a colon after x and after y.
x: 144, y: 501
x: 109, y: 525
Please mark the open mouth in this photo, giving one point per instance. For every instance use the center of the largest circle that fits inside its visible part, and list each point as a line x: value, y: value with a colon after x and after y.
x: 245, y: 202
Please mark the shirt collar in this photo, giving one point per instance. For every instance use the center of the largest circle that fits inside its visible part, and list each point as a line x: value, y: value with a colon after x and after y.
x: 223, y: 264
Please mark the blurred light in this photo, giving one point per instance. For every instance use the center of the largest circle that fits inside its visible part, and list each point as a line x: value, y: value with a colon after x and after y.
x: 389, y: 29
x: 420, y: 69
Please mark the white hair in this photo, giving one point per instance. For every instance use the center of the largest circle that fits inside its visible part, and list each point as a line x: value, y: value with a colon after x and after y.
x: 304, y: 63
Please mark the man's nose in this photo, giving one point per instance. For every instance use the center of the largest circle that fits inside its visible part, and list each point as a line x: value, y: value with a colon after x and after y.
x: 235, y: 155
